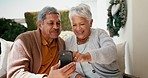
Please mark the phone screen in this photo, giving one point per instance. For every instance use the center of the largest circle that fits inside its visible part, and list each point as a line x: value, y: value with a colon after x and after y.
x: 66, y: 57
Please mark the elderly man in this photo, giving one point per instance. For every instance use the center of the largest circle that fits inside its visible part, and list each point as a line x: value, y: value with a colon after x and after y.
x: 34, y: 54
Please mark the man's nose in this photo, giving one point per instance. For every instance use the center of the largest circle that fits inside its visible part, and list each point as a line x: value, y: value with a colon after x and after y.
x: 55, y: 26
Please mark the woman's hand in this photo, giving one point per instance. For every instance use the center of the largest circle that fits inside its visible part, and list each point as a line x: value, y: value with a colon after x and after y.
x: 79, y: 76
x: 78, y: 57
x: 63, y: 72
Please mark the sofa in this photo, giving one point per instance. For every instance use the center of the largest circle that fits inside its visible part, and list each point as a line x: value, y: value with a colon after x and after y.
x: 30, y: 18
x: 6, y: 45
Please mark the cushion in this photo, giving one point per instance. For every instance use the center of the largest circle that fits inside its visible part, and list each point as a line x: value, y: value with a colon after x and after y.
x: 31, y: 17
x: 5, y: 49
x: 121, y: 56
x: 65, y: 34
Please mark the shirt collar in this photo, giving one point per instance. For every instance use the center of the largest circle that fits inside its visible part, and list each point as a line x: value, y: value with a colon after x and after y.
x: 45, y: 43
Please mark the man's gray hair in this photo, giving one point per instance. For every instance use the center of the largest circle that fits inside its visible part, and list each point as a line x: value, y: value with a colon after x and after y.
x: 82, y: 10
x: 46, y: 10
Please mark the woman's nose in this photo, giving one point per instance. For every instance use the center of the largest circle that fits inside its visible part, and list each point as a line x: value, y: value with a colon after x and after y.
x: 78, y: 28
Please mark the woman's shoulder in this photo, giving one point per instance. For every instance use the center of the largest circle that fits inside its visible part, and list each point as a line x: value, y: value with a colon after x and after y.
x: 98, y: 31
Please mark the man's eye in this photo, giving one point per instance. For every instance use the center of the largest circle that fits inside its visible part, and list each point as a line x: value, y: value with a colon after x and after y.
x: 50, y: 23
x: 58, y: 23
x: 73, y: 25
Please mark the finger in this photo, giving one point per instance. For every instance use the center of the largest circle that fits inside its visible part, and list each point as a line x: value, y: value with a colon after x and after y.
x: 84, y: 58
x: 67, y: 67
x: 74, y: 53
x: 56, y: 66
x: 75, y: 59
x: 77, y: 54
x: 70, y: 71
x: 81, y: 58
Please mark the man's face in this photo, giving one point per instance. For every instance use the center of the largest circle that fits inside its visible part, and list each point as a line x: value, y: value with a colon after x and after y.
x: 51, y: 26
x: 81, y: 27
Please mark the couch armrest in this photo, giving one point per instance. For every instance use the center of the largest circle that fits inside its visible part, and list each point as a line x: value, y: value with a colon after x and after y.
x: 129, y: 76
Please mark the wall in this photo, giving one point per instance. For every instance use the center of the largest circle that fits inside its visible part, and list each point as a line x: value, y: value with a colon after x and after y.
x: 126, y: 36
x: 135, y: 34
x: 16, y: 8
x: 140, y: 37
x: 15, y: 12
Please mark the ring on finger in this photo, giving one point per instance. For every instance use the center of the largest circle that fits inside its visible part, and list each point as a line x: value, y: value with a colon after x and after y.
x: 75, y: 57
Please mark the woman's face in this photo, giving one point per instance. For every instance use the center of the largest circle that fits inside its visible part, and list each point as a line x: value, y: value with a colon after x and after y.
x: 81, y: 27
x: 51, y: 26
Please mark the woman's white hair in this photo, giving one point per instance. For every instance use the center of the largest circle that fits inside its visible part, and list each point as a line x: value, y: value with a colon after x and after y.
x: 81, y: 10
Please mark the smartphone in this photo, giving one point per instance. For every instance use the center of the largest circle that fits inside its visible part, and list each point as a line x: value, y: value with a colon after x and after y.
x: 66, y: 57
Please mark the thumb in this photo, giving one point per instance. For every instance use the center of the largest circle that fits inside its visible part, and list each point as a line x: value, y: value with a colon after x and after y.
x: 56, y: 66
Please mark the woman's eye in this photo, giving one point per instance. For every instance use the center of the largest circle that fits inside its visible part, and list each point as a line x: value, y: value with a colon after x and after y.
x: 82, y: 24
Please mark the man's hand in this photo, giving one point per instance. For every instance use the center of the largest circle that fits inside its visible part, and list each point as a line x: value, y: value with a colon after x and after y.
x: 63, y: 72
x: 78, y: 57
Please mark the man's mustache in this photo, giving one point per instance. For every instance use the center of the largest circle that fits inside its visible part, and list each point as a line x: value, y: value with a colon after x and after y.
x: 55, y: 30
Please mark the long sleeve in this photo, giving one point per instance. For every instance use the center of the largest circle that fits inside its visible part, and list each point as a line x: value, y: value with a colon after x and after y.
x: 19, y: 61
x: 102, y: 48
x: 24, y: 59
x: 105, y: 51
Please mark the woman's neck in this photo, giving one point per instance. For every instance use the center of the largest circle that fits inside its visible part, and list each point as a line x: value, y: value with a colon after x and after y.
x: 82, y: 41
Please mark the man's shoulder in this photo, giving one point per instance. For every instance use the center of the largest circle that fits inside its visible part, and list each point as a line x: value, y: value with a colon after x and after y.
x: 27, y: 38
x: 26, y: 34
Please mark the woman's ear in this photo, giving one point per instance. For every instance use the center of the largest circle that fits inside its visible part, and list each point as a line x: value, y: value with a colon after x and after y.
x: 91, y: 21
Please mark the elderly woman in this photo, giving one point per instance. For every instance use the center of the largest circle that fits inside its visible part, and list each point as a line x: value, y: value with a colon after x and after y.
x: 94, y: 51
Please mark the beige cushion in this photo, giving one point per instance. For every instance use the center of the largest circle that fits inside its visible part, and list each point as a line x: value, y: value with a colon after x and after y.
x: 5, y: 49
x: 121, y: 56
x: 65, y: 34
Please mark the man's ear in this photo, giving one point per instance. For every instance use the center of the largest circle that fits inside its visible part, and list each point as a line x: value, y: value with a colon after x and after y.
x: 91, y: 21
x: 39, y: 24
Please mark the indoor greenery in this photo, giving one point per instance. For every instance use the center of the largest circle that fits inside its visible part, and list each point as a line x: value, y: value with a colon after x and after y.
x: 9, y: 29
x: 117, y: 19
